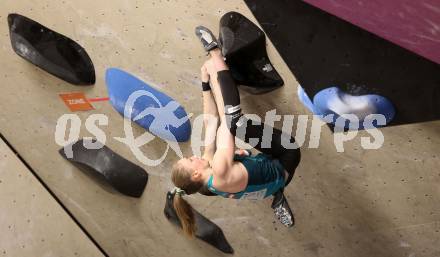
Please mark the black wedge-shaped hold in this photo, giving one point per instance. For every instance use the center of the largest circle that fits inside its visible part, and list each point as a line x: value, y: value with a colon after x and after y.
x: 206, y: 229
x: 121, y: 174
x: 51, y: 51
x: 244, y: 47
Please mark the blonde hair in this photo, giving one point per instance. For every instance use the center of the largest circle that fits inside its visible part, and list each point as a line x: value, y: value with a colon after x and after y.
x: 181, y: 177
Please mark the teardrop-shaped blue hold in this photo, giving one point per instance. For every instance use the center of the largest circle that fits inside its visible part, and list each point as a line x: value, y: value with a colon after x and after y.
x: 148, y: 107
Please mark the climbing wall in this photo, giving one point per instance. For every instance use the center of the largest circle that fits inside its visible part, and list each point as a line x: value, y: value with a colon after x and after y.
x: 31, y: 220
x: 325, y: 51
x: 414, y: 25
x: 359, y: 203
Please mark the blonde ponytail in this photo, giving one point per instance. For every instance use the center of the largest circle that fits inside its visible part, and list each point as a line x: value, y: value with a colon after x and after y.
x: 186, y: 215
x: 181, y: 178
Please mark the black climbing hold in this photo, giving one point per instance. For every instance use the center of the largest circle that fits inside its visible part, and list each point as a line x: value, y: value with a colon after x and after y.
x: 51, y: 51
x: 206, y: 229
x: 244, y: 46
x: 121, y: 174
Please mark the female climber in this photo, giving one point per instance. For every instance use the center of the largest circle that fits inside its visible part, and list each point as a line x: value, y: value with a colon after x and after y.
x: 222, y: 170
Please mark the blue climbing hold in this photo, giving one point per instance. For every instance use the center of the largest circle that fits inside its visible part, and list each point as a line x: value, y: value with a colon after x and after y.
x: 305, y: 99
x: 148, y: 107
x: 334, y: 101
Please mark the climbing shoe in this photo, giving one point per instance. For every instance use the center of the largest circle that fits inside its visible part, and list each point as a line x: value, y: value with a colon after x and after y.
x: 282, y: 210
x: 209, y: 41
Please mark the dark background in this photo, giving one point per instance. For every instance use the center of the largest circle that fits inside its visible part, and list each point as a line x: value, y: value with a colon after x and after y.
x: 322, y: 51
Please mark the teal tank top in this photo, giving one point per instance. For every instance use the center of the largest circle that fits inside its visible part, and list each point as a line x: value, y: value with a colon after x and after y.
x: 265, y: 177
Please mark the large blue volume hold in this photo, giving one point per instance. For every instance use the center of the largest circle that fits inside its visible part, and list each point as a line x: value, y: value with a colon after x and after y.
x: 334, y: 101
x: 150, y: 108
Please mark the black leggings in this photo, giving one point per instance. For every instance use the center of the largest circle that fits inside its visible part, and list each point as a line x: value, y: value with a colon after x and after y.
x: 289, y: 158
